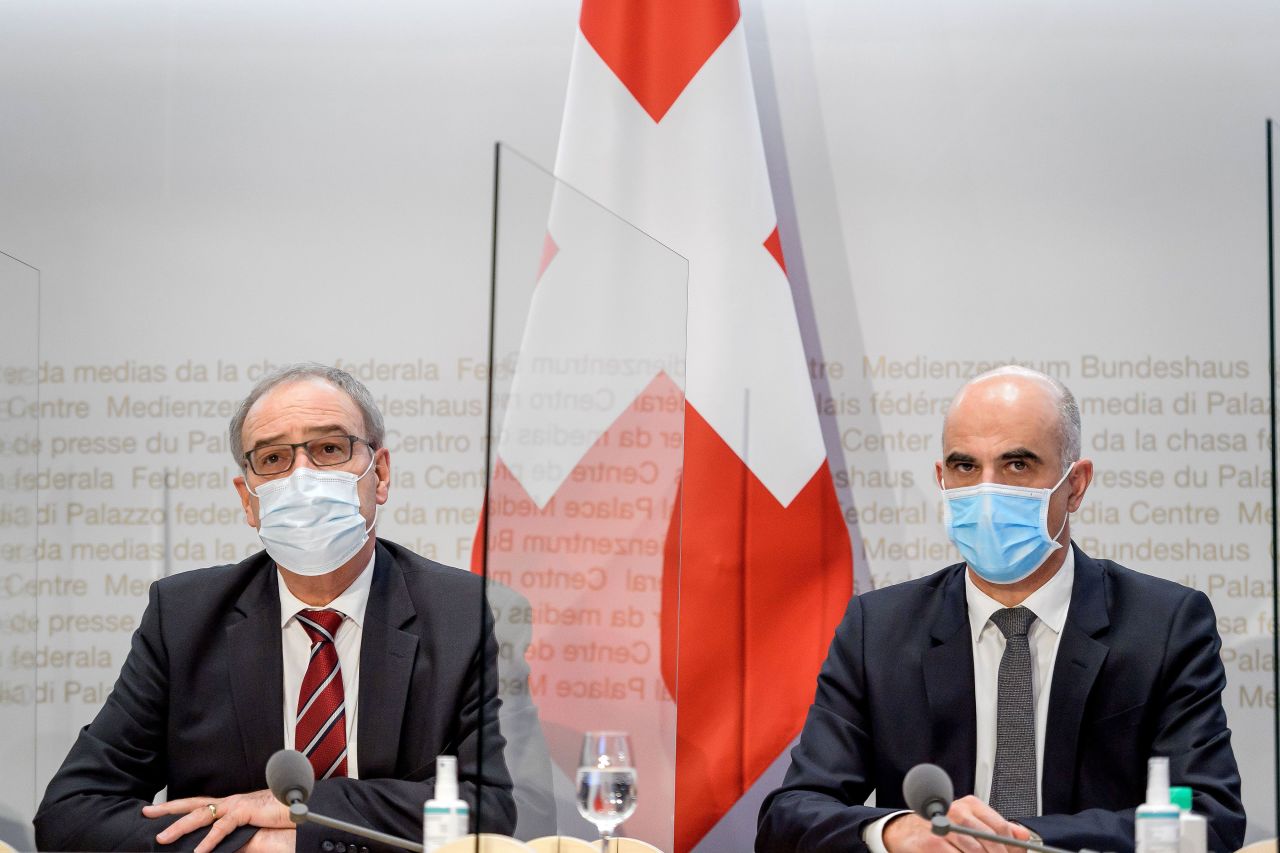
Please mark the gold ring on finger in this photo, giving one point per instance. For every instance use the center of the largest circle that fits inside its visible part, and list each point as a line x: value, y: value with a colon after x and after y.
x: 213, y: 810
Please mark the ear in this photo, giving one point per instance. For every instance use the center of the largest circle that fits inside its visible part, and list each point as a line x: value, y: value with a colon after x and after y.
x: 937, y: 473
x: 1079, y: 479
x: 248, y: 501
x: 382, y: 469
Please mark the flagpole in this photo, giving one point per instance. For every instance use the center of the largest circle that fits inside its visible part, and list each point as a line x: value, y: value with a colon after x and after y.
x: 488, y: 469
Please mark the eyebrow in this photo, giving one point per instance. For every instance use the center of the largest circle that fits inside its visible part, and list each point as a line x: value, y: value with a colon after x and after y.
x: 1018, y: 453
x: 318, y: 432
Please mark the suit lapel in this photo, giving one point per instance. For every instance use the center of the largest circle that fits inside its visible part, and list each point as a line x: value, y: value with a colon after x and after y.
x: 948, y: 678
x: 1079, y: 660
x: 257, y: 670
x: 386, y: 667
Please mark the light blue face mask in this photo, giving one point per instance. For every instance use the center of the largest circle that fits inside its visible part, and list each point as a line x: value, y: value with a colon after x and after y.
x: 310, y: 521
x: 1002, y: 531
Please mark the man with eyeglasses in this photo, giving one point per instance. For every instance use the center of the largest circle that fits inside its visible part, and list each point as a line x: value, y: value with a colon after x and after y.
x: 352, y: 650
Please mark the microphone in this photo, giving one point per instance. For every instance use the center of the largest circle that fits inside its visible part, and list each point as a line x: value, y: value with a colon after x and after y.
x: 291, y: 777
x: 926, y: 788
x: 928, y: 791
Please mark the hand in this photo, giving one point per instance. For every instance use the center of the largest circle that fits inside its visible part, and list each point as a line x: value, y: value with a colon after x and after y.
x: 272, y: 841
x: 259, y: 808
x: 910, y: 833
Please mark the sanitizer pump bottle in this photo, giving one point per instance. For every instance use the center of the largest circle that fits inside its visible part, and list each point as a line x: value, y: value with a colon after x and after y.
x: 445, y: 816
x: 1156, y: 823
x: 1193, y: 834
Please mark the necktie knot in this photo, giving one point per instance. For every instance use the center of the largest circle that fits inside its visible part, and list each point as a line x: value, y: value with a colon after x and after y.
x: 321, y: 625
x: 1013, y: 621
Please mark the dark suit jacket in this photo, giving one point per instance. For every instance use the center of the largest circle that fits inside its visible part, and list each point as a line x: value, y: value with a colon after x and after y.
x: 1137, y: 675
x: 198, y: 707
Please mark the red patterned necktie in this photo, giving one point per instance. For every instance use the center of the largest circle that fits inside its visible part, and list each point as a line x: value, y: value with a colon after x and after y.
x: 322, y: 719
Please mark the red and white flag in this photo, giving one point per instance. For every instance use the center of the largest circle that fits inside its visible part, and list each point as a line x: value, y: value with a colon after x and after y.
x: 661, y: 128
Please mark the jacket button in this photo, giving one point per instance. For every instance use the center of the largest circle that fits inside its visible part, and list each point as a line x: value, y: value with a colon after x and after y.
x: 326, y: 846
x: 364, y: 850
x: 341, y: 848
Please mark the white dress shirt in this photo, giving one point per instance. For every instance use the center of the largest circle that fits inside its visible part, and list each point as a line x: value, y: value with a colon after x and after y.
x: 296, y: 646
x: 1050, y: 604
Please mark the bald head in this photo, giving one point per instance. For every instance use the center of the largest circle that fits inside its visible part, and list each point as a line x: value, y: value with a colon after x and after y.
x: 1011, y: 397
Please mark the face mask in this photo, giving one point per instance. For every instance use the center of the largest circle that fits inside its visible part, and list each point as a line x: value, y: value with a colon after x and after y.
x: 1002, y: 531
x: 310, y: 521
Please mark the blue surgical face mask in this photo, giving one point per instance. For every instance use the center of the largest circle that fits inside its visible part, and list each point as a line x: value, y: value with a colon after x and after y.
x: 310, y: 521
x: 1002, y: 531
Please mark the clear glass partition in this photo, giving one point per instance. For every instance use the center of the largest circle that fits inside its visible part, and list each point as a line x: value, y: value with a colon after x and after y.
x: 1266, y: 767
x: 22, y: 653
x: 587, y: 419
x: 581, y: 519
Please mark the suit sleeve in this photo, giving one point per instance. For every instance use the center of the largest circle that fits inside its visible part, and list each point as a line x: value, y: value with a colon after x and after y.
x: 394, y: 806
x: 1191, y: 729
x: 832, y: 765
x: 117, y: 763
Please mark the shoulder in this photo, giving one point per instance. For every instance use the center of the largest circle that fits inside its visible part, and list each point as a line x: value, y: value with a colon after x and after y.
x: 914, y: 592
x: 194, y: 604
x: 447, y: 603
x: 214, y: 582
x: 422, y: 573
x: 1126, y: 588
x: 1137, y: 605
x: 901, y: 611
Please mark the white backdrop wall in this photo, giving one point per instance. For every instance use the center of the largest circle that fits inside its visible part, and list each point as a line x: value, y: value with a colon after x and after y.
x: 1078, y: 186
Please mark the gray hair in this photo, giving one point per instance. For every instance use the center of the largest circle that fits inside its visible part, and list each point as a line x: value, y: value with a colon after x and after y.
x: 375, y: 430
x: 1068, y: 409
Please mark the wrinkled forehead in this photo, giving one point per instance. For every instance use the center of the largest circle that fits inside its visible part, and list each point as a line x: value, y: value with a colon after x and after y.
x: 301, y: 405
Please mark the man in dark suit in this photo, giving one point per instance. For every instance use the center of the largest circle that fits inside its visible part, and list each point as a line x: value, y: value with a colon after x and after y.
x: 360, y: 654
x: 1039, y: 678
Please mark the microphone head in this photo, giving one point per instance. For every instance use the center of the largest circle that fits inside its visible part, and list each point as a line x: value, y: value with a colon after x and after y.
x: 290, y: 776
x: 928, y: 791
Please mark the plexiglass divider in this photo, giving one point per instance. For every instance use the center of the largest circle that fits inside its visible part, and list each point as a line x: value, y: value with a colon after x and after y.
x: 21, y: 655
x: 1269, y: 797
x: 581, y: 519
x: 587, y: 427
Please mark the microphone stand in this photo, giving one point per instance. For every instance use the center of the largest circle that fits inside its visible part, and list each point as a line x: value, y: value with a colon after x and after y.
x: 941, y: 825
x: 299, y: 813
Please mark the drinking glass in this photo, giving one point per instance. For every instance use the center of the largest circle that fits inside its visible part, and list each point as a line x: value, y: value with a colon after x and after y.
x: 606, y: 782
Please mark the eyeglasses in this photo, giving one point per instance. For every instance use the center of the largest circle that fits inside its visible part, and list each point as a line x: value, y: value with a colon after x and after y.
x: 324, y: 452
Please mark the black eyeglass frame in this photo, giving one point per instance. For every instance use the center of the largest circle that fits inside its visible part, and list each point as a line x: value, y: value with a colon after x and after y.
x: 293, y: 453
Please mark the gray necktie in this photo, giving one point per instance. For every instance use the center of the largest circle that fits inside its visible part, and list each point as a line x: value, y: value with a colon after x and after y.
x: 1013, y: 781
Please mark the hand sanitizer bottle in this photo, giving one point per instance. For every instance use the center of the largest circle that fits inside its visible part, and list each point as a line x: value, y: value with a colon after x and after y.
x: 1156, y: 822
x: 445, y: 816
x: 1193, y: 831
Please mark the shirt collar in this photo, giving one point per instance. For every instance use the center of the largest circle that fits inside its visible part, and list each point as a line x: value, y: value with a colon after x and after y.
x: 1049, y: 603
x: 351, y: 603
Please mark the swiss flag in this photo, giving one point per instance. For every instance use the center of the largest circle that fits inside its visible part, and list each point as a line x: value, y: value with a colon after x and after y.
x: 661, y: 128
